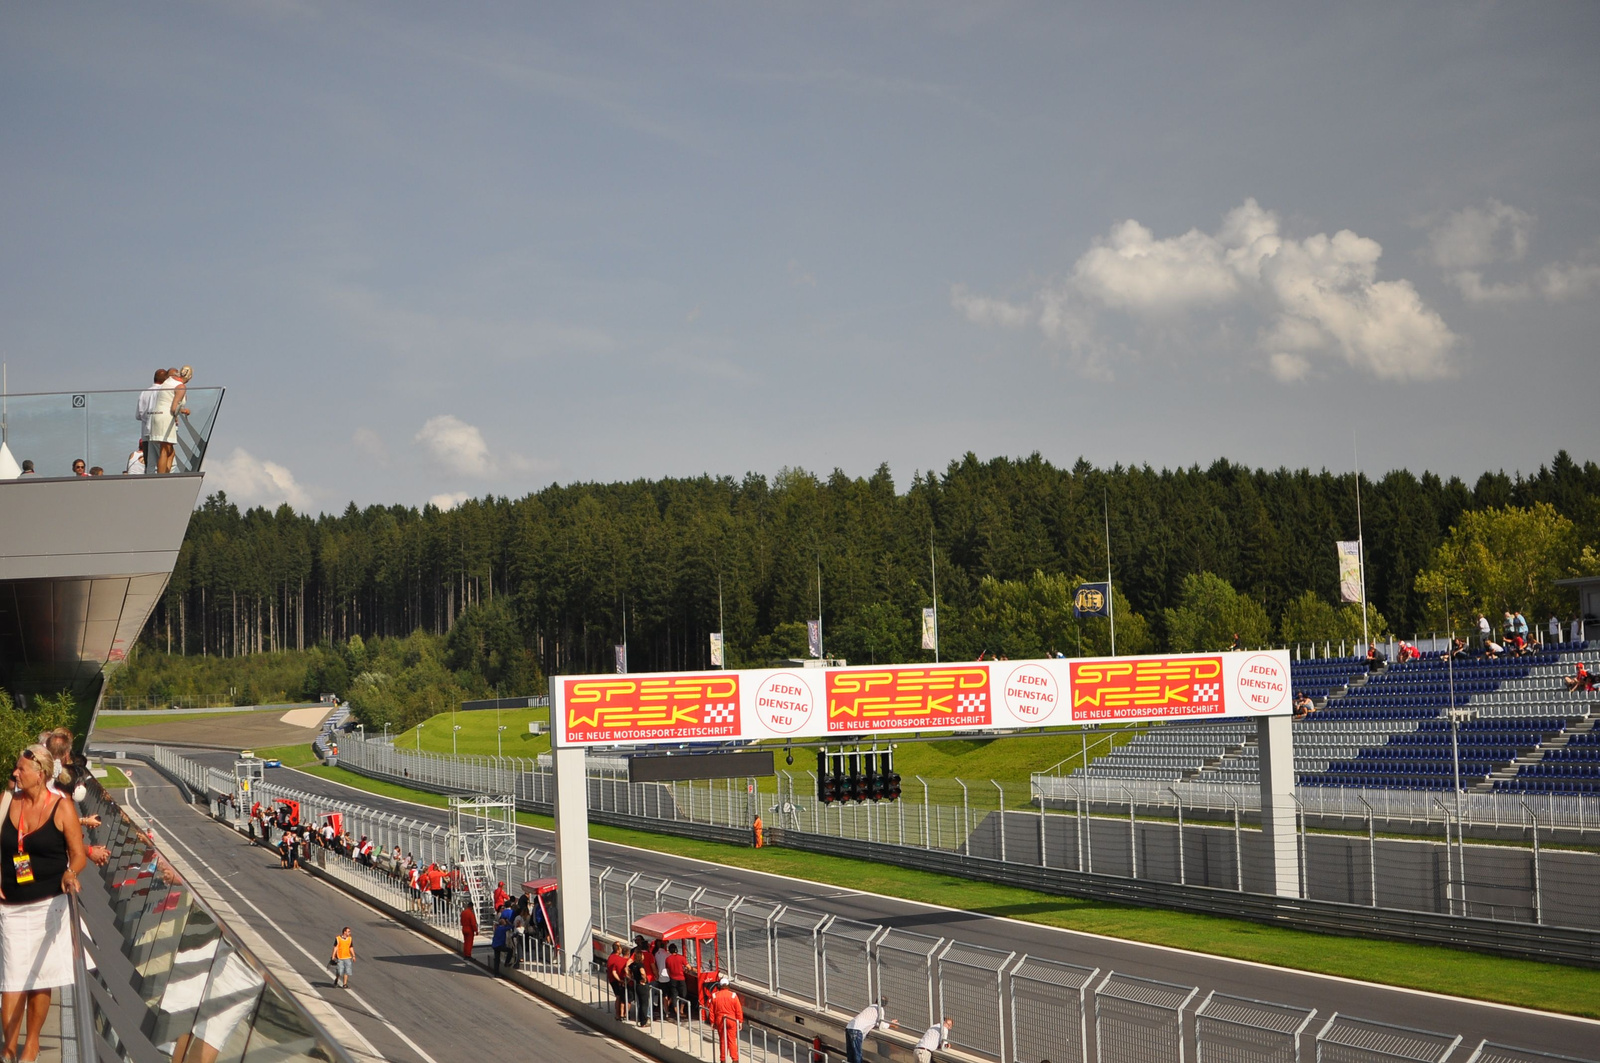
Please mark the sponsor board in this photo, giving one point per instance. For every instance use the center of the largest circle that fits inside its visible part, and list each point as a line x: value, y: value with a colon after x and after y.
x: 806, y: 703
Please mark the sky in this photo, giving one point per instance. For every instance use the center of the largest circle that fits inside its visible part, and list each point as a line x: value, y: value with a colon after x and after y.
x: 443, y: 251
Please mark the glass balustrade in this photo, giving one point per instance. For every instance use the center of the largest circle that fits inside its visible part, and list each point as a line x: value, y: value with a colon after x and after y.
x: 99, y: 428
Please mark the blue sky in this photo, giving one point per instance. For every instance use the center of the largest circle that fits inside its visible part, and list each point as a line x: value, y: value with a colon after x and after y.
x: 447, y: 250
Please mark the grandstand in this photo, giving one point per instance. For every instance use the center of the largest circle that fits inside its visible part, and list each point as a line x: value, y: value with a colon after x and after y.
x: 1388, y: 730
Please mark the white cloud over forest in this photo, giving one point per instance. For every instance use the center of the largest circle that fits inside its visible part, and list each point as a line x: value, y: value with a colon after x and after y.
x: 252, y: 481
x: 1316, y: 297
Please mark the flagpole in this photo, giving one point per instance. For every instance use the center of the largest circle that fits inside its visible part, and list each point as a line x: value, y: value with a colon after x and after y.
x: 1361, y: 545
x: 821, y: 655
x: 721, y: 631
x: 934, y: 572
x: 1111, y: 597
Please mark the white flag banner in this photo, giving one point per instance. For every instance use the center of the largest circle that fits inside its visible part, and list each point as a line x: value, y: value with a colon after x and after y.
x: 814, y: 637
x: 716, y: 650
x: 621, y: 649
x: 1349, y: 571
x: 930, y: 629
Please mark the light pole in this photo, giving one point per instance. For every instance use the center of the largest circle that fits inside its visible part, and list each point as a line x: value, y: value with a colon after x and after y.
x: 453, y: 730
x: 363, y: 729
x: 498, y: 731
x: 386, y: 734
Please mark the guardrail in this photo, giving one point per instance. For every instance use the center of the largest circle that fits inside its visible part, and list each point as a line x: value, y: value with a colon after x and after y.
x: 1006, y: 1008
x: 1481, y: 884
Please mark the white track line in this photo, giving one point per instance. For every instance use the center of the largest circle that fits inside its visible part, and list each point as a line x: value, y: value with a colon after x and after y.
x: 212, y: 872
x: 1255, y: 964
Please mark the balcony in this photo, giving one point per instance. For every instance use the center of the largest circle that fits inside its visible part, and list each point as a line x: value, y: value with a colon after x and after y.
x: 55, y: 429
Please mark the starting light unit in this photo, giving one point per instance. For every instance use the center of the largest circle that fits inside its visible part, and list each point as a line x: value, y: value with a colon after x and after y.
x: 856, y: 775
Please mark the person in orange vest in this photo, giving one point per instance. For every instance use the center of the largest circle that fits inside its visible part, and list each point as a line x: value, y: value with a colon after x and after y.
x: 727, y: 1015
x: 469, y: 929
x: 757, y: 829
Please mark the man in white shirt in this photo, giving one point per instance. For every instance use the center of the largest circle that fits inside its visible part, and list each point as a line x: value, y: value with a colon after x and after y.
x: 142, y: 411
x: 937, y: 1037
x: 873, y: 1016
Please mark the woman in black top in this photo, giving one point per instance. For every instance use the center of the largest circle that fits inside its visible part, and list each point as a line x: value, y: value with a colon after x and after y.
x: 41, y: 853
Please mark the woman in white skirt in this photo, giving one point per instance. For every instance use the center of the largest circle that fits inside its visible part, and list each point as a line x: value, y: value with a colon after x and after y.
x: 42, y: 845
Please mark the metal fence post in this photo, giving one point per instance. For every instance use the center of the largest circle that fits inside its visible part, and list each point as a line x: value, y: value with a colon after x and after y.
x: 1133, y: 836
x: 1372, y: 851
x: 1300, y: 837
x: 1536, y: 883
x: 1238, y: 857
x: 966, y: 821
x: 927, y: 837
x: 1002, y: 814
x: 1183, y: 879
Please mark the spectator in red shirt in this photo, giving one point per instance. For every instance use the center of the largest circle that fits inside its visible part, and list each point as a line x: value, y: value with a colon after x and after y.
x: 677, y: 968
x: 617, y: 975
x: 500, y: 897
x: 1581, y: 681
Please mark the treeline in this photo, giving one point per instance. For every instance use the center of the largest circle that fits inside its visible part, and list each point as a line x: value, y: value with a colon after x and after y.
x: 547, y: 583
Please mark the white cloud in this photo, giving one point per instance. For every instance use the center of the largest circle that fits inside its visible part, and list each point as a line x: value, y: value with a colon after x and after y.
x: 456, y: 445
x: 1473, y: 238
x: 1478, y: 236
x: 371, y: 445
x: 982, y: 310
x: 250, y: 481
x: 451, y: 500
x: 1319, y: 295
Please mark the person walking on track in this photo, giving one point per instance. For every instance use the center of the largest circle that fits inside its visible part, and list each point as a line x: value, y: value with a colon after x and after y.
x: 344, y: 958
x: 758, y: 831
x: 469, y: 929
x: 727, y: 1015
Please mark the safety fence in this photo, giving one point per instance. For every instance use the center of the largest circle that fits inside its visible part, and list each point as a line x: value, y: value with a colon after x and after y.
x: 1007, y: 1007
x: 1200, y: 836
x: 159, y: 975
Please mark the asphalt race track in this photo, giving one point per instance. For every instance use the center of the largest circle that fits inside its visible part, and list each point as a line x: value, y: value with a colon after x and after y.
x: 1474, y: 1020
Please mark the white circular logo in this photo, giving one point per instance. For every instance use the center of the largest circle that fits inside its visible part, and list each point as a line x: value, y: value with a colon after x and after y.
x: 1032, y: 693
x: 1263, y: 683
x: 783, y: 701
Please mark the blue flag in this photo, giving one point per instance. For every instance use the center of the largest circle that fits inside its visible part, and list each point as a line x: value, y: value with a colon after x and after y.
x: 1091, y: 599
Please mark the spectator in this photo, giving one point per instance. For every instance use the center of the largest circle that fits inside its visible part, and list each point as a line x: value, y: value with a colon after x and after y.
x: 678, y: 973
x: 1581, y: 681
x: 500, y: 896
x: 1492, y: 649
x: 1303, y: 706
x: 80, y: 468
x: 1458, y: 648
x: 164, y: 411
x: 727, y: 1015
x: 1520, y: 625
x: 663, y: 977
x: 135, y: 465
x: 499, y: 940
x: 144, y: 408
x: 617, y: 978
x: 639, y: 971
x: 873, y: 1016
x: 1555, y: 623
x: 44, y: 841
x: 1375, y: 660
x: 1483, y: 628
x: 469, y: 929
x: 936, y: 1037
x: 70, y: 781
x: 27, y: 467
x: 344, y: 958
x: 97, y: 471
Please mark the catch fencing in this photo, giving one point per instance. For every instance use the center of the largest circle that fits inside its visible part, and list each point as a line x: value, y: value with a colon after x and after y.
x: 1184, y: 834
x: 1007, y: 1008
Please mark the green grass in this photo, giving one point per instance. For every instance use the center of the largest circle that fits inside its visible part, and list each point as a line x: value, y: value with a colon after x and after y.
x: 114, y: 779
x: 146, y: 718
x: 1545, y: 986
x: 292, y: 756
x: 477, y: 734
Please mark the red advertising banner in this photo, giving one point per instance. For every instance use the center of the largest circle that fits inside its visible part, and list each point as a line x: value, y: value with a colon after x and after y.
x: 651, y: 708
x: 938, y: 696
x: 1146, y: 686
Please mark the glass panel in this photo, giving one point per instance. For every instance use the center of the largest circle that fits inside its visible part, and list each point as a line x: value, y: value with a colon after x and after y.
x: 221, y: 1029
x: 54, y: 430
x: 282, y: 1033
x: 186, y: 983
x: 164, y: 948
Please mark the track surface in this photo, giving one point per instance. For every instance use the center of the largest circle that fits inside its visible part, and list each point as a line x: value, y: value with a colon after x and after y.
x: 434, y: 1006
x: 1474, y: 1020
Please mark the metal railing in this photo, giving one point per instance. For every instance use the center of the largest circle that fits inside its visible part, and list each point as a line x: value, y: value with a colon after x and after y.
x: 1008, y: 1008
x: 54, y: 429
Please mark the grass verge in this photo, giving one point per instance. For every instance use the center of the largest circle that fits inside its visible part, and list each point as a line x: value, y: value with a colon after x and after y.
x: 1454, y: 972
x: 114, y: 779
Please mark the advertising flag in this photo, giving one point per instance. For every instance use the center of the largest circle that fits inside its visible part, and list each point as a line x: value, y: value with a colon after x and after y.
x: 716, y: 650
x: 621, y: 649
x: 1349, y: 571
x: 1091, y: 599
x: 930, y: 629
x: 814, y: 637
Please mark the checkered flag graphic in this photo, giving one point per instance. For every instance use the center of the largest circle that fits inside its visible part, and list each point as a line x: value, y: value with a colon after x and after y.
x: 1208, y: 692
x: 722, y: 713
x: 970, y: 703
